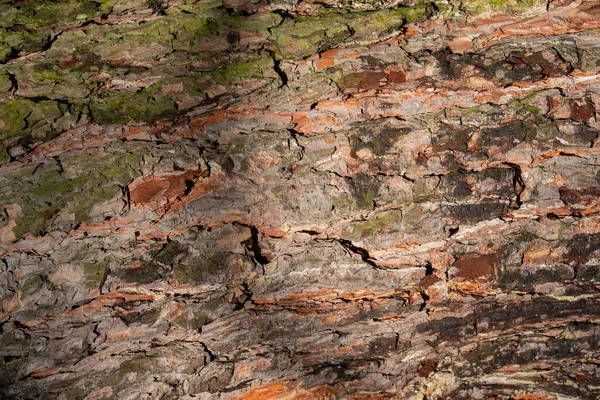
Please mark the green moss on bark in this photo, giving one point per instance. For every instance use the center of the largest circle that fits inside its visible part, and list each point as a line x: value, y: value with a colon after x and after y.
x: 304, y: 36
x: 124, y: 107
x: 50, y: 192
x: 239, y: 71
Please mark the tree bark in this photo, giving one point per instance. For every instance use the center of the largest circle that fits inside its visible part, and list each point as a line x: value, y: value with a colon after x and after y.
x: 249, y: 199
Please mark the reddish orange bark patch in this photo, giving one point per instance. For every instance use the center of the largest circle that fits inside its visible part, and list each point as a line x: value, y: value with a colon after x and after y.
x: 99, y: 393
x: 338, y: 305
x: 475, y: 266
x: 324, y: 63
x: 589, y: 196
x: 110, y: 299
x: 531, y: 396
x: 288, y: 390
x: 428, y: 281
x: 311, y: 123
x: 168, y: 186
x: 44, y: 373
x: 148, y: 190
x: 460, y: 45
x: 396, y: 76
x: 582, y: 111
x: 330, y: 53
x: 133, y: 131
x: 427, y: 368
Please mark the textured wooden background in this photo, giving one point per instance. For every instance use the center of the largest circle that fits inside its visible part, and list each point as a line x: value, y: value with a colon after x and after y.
x: 297, y: 199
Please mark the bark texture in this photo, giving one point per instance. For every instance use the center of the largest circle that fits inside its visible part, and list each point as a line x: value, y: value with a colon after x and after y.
x: 329, y: 199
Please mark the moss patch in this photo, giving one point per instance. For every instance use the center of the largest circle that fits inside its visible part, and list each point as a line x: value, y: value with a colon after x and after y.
x: 479, y: 6
x: 47, y: 79
x: 20, y: 116
x: 96, y: 273
x: 27, y: 27
x: 146, y: 274
x: 380, y: 142
x: 49, y: 192
x: 239, y: 71
x: 365, y: 189
x: 13, y: 42
x: 303, y: 36
x: 29, y: 122
x: 168, y: 254
x: 45, y: 13
x: 122, y: 107
x: 388, y: 221
x: 200, y: 24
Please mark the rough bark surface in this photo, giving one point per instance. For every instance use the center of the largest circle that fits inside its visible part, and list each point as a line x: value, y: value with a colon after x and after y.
x: 251, y: 199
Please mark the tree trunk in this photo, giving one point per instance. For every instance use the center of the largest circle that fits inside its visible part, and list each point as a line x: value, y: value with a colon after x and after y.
x: 250, y: 199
